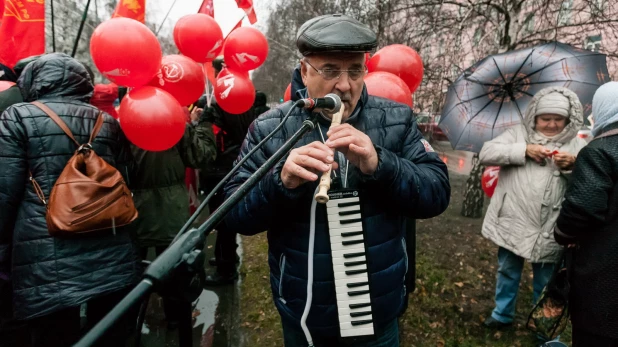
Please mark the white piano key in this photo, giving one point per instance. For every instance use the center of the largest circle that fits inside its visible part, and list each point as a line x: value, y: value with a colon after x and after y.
x: 340, y: 239
x: 346, y: 311
x: 336, y: 210
x: 338, y: 231
x: 340, y: 260
x: 345, y: 279
x: 350, y: 319
x: 343, y: 287
x: 336, y: 202
x: 343, y: 268
x: 354, y: 301
x: 336, y: 225
x: 355, y: 248
x: 361, y: 330
x: 344, y: 297
x: 336, y: 217
x: 349, y: 253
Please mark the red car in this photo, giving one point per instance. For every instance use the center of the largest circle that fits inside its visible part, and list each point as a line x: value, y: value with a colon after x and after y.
x: 428, y: 125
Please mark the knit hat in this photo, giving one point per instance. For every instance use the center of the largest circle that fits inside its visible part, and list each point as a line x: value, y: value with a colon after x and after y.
x: 553, y: 103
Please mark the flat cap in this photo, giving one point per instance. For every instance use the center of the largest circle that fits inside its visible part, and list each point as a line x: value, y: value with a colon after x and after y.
x: 335, y: 33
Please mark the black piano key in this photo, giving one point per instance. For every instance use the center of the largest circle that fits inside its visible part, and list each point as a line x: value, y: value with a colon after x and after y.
x: 355, y: 272
x: 368, y: 304
x: 362, y: 322
x: 354, y: 255
x: 351, y: 233
x: 348, y: 204
x: 350, y: 221
x: 357, y: 284
x: 347, y: 213
x: 360, y: 314
x: 358, y: 292
x: 351, y: 242
x: 354, y: 263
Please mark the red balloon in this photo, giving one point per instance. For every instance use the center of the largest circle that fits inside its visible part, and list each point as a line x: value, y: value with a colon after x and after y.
x: 152, y: 119
x: 235, y: 93
x: 245, y: 49
x: 389, y: 86
x: 4, y: 85
x: 288, y: 93
x: 225, y: 71
x: 489, y: 180
x: 401, y: 61
x: 199, y: 37
x: 125, y: 51
x: 181, y: 77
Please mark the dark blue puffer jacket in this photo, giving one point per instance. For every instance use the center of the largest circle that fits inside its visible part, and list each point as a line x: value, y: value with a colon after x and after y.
x: 45, y: 274
x: 409, y: 182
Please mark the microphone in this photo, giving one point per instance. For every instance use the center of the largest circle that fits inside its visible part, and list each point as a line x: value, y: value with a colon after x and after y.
x: 330, y: 103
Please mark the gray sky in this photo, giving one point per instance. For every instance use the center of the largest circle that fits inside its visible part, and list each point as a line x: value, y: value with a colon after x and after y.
x: 227, y: 14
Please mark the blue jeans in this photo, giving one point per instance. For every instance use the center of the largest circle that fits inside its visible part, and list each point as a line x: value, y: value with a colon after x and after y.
x: 510, y: 266
x: 387, y: 336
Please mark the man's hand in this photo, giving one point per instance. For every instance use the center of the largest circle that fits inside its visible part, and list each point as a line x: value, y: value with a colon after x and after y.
x: 537, y: 152
x: 305, y: 162
x: 195, y: 113
x: 564, y: 160
x: 355, y: 145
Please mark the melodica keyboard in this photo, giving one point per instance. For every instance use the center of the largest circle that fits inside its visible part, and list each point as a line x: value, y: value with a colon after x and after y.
x: 349, y: 263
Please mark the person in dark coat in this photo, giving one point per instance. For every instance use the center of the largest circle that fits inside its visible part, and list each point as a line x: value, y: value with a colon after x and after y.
x: 587, y: 222
x: 232, y: 129
x: 379, y: 151
x: 50, y: 277
x: 259, y: 105
x: 162, y: 200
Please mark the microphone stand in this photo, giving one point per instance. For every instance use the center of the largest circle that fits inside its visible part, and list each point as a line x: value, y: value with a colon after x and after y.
x: 184, y: 252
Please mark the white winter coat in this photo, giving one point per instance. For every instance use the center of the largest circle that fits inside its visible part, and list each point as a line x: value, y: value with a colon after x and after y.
x: 528, y: 197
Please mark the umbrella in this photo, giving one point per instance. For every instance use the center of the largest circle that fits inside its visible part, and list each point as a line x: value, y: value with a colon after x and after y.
x: 492, y: 95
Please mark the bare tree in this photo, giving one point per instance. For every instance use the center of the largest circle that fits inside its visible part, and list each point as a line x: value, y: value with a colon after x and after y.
x: 67, y: 18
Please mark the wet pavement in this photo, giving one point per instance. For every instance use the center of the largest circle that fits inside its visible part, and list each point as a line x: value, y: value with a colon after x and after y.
x: 216, y: 315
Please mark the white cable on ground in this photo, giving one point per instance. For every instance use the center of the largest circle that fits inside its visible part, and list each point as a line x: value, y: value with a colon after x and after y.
x: 303, y: 319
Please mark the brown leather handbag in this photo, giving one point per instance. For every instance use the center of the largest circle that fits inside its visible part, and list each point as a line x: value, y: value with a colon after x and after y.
x: 89, y: 194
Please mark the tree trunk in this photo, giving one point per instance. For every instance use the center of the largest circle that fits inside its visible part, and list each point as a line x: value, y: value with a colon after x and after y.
x: 473, y: 196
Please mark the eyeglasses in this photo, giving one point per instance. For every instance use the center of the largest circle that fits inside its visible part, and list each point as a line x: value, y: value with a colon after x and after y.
x: 330, y: 74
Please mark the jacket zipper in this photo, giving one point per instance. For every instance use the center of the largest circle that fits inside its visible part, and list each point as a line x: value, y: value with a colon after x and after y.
x: 88, y: 203
x: 282, y: 271
x: 97, y: 211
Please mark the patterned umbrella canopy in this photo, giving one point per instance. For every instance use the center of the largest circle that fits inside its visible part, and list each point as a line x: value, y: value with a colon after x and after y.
x: 492, y: 95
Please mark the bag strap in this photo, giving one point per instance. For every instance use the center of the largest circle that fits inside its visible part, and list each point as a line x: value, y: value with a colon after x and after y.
x: 609, y: 133
x: 97, y: 126
x: 56, y: 119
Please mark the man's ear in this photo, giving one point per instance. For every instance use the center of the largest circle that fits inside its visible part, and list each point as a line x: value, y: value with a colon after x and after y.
x: 303, y: 71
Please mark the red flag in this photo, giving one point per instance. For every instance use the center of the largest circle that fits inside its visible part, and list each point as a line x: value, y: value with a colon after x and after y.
x: 1, y: 9
x: 247, y: 5
x: 207, y: 8
x: 22, y: 32
x: 134, y: 9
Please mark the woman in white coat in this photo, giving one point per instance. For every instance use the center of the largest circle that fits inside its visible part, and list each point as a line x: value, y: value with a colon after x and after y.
x: 535, y: 159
